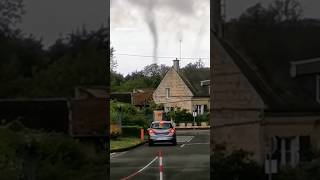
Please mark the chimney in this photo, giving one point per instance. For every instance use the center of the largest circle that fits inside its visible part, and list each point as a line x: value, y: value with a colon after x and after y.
x: 176, y: 64
x: 215, y: 18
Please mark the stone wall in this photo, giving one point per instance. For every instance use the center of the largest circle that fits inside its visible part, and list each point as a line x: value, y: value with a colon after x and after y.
x: 180, y: 95
x: 235, y: 106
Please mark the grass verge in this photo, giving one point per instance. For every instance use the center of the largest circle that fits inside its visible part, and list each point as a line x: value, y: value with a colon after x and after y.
x: 124, y: 143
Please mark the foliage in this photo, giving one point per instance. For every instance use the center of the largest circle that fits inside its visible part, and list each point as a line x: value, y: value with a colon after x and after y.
x: 27, y: 154
x: 235, y: 165
x: 115, y: 131
x: 77, y: 62
x: 203, y: 117
x: 306, y: 170
x: 11, y: 12
x: 74, y: 60
x: 124, y: 142
x: 179, y: 116
x: 149, y: 77
x: 128, y: 114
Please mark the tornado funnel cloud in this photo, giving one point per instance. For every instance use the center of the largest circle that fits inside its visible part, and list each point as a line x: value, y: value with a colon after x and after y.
x: 151, y: 21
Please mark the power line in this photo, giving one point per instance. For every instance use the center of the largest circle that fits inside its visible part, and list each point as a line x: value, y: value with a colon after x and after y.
x: 160, y: 57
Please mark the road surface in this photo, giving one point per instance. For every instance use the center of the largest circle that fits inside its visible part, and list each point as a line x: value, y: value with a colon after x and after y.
x: 189, y: 160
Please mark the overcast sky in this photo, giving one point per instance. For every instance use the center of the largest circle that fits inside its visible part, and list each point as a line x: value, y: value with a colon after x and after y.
x: 50, y: 18
x: 131, y: 31
x: 155, y: 28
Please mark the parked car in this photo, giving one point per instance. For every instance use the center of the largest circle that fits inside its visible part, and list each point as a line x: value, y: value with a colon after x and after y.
x: 162, y: 131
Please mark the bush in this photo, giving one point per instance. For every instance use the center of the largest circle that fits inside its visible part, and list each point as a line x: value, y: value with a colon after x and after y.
x: 115, y: 131
x: 234, y: 165
x: 128, y: 114
x: 307, y: 170
x: 27, y: 154
x: 131, y: 131
x: 179, y: 116
x: 203, y: 117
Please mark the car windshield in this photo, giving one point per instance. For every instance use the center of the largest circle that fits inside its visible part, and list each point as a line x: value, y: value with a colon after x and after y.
x: 161, y: 125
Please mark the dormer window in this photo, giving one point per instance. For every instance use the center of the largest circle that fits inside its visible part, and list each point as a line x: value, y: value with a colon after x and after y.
x: 167, y: 92
x: 318, y: 88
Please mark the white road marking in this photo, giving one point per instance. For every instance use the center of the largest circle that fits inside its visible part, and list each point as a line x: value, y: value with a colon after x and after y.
x: 135, y: 173
x: 187, y: 141
x: 183, y: 139
x: 113, y: 155
x: 195, y: 143
x: 190, y: 139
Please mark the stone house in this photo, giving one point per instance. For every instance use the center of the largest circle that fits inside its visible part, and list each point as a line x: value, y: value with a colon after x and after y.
x: 184, y: 90
x: 249, y: 113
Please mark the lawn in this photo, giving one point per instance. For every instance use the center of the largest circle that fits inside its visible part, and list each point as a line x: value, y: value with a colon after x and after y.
x: 123, y: 142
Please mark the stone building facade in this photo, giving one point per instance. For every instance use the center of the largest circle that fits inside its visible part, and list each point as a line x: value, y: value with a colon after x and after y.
x: 176, y: 90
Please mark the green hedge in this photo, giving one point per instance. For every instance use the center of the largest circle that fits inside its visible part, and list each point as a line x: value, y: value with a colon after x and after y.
x: 30, y: 154
x: 131, y: 131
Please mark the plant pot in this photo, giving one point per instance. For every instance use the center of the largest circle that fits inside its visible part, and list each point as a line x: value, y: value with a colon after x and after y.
x: 189, y: 124
x: 204, y: 124
x: 182, y: 124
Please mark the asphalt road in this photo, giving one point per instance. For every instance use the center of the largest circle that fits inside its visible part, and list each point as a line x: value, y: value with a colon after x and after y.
x: 189, y: 160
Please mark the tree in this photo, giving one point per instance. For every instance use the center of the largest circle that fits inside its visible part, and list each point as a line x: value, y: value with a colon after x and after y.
x: 113, y: 62
x: 286, y: 10
x: 278, y: 11
x: 75, y: 60
x: 10, y: 14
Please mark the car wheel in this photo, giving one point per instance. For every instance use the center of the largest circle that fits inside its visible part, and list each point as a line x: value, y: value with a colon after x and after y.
x: 174, y: 142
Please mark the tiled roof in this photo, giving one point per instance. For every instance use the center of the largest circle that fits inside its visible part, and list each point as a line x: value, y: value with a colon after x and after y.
x: 193, y: 81
x: 279, y: 97
x: 141, y: 98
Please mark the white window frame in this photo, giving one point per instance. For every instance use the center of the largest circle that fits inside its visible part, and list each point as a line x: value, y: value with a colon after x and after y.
x: 167, y: 91
x: 293, y: 150
x: 318, y: 88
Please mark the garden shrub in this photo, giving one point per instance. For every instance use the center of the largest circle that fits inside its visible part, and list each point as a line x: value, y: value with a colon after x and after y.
x: 203, y: 117
x: 30, y: 154
x: 234, y: 165
x: 306, y: 170
x: 131, y: 131
x: 179, y: 116
x: 115, y: 131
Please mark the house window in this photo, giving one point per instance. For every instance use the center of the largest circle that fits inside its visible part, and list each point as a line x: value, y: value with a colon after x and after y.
x: 199, y: 109
x: 289, y: 151
x: 318, y: 88
x: 167, y: 92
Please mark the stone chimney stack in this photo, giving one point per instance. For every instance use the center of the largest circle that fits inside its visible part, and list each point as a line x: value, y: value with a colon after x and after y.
x: 215, y: 18
x: 176, y: 64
